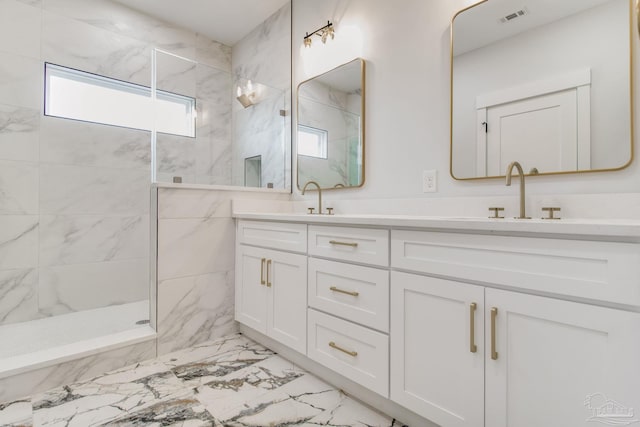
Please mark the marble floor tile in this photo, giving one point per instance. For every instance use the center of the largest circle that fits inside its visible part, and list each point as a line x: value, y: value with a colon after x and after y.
x: 183, y: 410
x: 17, y: 413
x: 209, y: 369
x: 233, y: 390
x: 220, y: 348
x: 229, y: 382
x: 93, y: 403
x: 295, y: 403
x: 350, y: 412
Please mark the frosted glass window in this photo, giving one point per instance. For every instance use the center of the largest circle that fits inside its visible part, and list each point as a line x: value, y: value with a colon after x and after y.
x: 312, y: 142
x: 78, y: 95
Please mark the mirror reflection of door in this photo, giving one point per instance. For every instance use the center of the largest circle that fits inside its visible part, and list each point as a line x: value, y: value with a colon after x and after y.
x: 253, y: 171
x: 541, y: 132
x: 551, y: 79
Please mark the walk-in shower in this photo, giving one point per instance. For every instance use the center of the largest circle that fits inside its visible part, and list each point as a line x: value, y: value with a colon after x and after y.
x: 78, y: 215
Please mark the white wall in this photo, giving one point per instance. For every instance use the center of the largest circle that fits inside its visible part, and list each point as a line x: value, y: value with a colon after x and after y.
x: 406, y: 46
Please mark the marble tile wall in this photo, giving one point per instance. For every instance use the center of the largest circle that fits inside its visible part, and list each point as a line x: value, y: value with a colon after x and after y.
x: 74, y: 196
x: 264, y: 56
x: 196, y: 237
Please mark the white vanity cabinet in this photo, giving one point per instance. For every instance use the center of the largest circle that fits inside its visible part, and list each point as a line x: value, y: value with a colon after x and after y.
x: 271, y: 285
x: 437, y: 348
x: 471, y: 355
x: 558, y: 362
x: 348, y: 303
x: 461, y: 327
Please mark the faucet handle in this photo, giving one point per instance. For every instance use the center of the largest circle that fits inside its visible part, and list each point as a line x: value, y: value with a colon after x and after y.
x: 329, y: 211
x: 311, y: 210
x: 551, y: 210
x: 496, y: 212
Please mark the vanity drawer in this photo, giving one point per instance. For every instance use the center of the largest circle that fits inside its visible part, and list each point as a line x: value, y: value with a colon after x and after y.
x: 606, y: 271
x: 276, y: 235
x: 353, y: 292
x: 364, y: 245
x: 353, y: 351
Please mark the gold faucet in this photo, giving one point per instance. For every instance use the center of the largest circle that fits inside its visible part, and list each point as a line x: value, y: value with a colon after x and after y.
x: 517, y: 165
x: 319, y: 194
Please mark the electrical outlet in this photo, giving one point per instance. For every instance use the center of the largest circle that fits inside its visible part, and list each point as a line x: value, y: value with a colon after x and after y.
x: 430, y: 181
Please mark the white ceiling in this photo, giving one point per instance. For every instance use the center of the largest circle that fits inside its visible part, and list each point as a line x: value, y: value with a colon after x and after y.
x: 481, y: 26
x: 226, y: 21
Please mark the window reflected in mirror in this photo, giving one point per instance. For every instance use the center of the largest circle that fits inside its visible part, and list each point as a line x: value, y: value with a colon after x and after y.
x: 330, y: 135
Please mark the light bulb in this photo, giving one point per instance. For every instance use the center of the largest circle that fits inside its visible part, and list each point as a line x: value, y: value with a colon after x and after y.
x: 239, y: 91
x: 249, y: 86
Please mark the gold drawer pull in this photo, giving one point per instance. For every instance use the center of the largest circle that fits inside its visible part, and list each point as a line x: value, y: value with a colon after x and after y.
x: 352, y: 293
x: 494, y: 314
x: 472, y: 328
x: 268, y: 273
x: 336, y: 242
x: 262, y: 282
x: 350, y: 353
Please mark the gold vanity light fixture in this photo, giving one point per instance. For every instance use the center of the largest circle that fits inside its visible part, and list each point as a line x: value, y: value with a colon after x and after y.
x: 324, y: 33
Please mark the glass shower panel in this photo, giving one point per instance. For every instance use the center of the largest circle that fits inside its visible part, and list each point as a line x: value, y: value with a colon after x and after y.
x: 174, y: 129
x: 235, y: 118
x: 261, y: 123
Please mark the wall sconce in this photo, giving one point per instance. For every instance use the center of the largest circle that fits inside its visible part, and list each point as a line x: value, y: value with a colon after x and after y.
x: 246, y: 97
x: 324, y: 33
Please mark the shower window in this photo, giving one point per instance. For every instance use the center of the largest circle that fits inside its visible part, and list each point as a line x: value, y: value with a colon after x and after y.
x: 79, y: 95
x: 312, y: 142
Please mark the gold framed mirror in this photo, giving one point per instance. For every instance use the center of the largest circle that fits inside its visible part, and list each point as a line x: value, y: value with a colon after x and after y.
x: 544, y: 83
x: 330, y: 128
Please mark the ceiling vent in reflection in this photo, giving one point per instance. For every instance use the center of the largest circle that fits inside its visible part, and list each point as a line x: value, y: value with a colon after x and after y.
x: 514, y: 15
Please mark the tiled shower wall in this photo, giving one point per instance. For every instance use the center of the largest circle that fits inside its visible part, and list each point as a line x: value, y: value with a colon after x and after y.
x: 74, y: 196
x: 196, y: 251
x: 264, y: 56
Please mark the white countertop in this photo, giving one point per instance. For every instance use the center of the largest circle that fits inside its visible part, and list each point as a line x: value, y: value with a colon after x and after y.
x: 605, y: 229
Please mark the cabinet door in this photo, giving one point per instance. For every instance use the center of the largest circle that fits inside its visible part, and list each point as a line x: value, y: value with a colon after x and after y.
x: 559, y: 363
x: 434, y: 370
x: 251, y: 294
x: 287, y: 308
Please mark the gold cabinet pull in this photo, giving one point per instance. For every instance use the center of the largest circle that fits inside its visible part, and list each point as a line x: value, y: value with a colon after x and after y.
x: 352, y: 293
x: 262, y: 282
x: 268, y: 273
x: 350, y: 353
x: 494, y: 314
x: 472, y: 327
x: 339, y: 243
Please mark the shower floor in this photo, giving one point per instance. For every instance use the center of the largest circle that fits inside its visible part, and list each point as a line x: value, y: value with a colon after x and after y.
x: 42, y: 342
